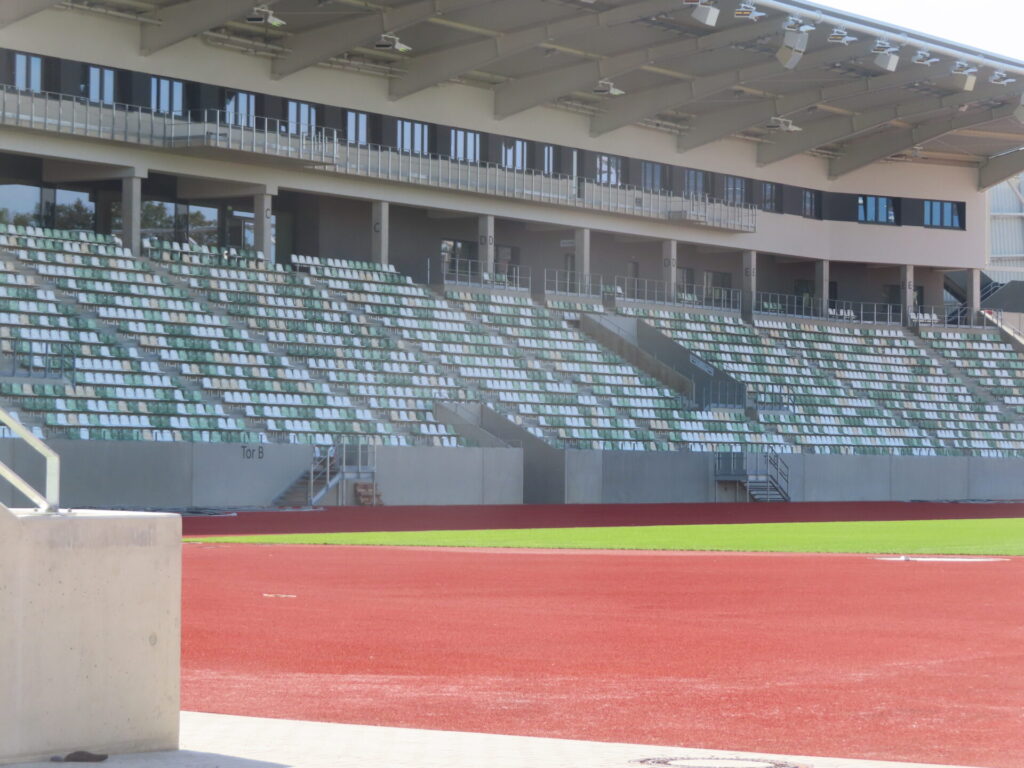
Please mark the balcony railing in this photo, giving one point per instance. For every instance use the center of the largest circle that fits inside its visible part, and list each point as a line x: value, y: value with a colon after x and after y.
x: 326, y: 149
x: 842, y: 311
x: 573, y: 283
x: 472, y: 272
x: 661, y: 292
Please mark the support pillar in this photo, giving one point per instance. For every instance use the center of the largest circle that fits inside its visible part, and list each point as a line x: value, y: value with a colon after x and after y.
x: 974, y: 293
x: 669, y: 262
x: 380, y: 217
x: 131, y: 214
x: 821, y: 281
x: 582, y: 237
x: 263, y: 224
x: 485, y: 252
x: 749, y: 289
x: 908, y: 295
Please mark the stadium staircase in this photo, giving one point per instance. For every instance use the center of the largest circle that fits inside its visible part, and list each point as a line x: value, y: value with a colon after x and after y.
x: 764, y: 476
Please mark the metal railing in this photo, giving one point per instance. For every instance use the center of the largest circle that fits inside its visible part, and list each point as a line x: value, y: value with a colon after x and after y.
x: 662, y: 292
x: 946, y: 316
x: 48, y: 502
x: 43, y: 359
x: 791, y: 305
x: 721, y: 394
x: 339, y: 461
x: 709, y: 296
x: 472, y: 272
x: 864, y: 312
x: 767, y: 465
x: 325, y: 148
x: 573, y: 283
x: 787, y: 304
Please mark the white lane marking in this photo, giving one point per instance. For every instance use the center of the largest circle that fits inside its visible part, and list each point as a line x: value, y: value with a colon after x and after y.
x: 266, y: 594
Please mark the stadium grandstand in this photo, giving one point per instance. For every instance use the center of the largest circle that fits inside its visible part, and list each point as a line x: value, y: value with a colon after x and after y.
x: 505, y: 251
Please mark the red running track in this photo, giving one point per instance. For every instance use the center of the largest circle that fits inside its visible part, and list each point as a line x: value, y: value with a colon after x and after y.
x: 802, y: 654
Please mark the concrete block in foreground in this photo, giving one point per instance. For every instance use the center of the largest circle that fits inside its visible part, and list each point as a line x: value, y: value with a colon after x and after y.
x: 90, y: 633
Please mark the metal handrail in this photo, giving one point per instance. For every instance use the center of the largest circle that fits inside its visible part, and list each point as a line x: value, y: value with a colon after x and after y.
x: 45, y: 503
x: 48, y: 360
x: 325, y: 148
x: 472, y: 272
x: 787, y: 304
x: 946, y: 316
x: 573, y: 283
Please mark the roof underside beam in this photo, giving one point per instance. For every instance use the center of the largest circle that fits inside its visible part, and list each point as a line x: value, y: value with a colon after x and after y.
x: 16, y: 10
x: 1000, y: 168
x: 873, y: 148
x: 320, y: 44
x: 442, y: 65
x: 634, y: 107
x: 718, y: 125
x: 182, y: 21
x: 839, y: 128
x: 533, y: 90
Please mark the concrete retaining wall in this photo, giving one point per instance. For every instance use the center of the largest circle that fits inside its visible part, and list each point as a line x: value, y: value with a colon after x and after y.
x: 90, y: 628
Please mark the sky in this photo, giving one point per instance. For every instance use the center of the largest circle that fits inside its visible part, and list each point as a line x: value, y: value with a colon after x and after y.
x: 992, y: 25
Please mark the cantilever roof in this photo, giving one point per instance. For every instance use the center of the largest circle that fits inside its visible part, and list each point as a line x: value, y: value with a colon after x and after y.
x: 677, y: 74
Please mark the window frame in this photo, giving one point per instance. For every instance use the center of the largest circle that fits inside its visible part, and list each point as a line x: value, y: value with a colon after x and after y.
x: 878, y: 209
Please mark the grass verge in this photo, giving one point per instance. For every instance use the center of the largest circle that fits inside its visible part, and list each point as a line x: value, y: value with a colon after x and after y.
x: 1003, y: 536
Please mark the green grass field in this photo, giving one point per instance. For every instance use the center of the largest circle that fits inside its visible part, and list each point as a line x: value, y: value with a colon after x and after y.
x: 947, y: 537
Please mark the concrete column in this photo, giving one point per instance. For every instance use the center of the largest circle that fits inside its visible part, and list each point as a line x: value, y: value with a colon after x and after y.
x: 749, y: 287
x: 821, y: 281
x: 908, y: 295
x: 582, y: 237
x: 974, y: 292
x: 669, y: 262
x: 485, y: 254
x: 380, y: 216
x: 131, y: 214
x: 263, y: 221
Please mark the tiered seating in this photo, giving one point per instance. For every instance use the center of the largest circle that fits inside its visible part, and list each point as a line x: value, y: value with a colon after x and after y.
x: 806, y: 407
x: 115, y: 395
x: 648, y: 413
x: 535, y: 398
x: 378, y: 393
x: 885, y: 365
x: 986, y: 359
x: 571, y: 309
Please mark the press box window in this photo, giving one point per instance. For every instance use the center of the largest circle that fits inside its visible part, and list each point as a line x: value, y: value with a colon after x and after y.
x: 28, y: 72
x: 735, y: 190
x: 873, y: 209
x: 513, y: 154
x: 465, y: 145
x: 810, y: 204
x: 942, y: 214
x: 356, y: 131
x: 694, y: 183
x: 609, y: 169
x: 770, y: 198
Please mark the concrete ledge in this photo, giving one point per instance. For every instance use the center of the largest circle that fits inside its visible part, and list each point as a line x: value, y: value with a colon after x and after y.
x: 90, y: 633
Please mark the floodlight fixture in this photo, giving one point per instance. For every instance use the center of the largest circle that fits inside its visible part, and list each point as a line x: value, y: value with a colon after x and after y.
x: 391, y: 43
x: 607, y: 88
x: 999, y: 77
x: 748, y: 10
x: 796, y: 24
x: 784, y: 124
x: 925, y: 58
x: 261, y: 14
x: 883, y: 46
x: 840, y: 36
x: 963, y: 68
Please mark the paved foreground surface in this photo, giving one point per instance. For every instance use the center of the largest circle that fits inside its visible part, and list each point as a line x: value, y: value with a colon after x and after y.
x: 229, y: 741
